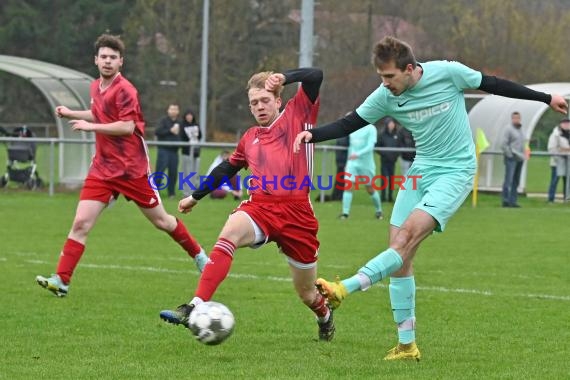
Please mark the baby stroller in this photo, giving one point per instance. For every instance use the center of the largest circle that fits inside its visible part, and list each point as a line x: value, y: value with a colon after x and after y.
x: 21, y: 165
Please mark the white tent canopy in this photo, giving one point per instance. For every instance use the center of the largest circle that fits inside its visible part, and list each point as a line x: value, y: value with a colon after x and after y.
x: 60, y: 86
x: 493, y: 114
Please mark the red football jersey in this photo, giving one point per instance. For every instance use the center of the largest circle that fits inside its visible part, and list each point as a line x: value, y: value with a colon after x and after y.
x: 118, y: 156
x: 268, y: 151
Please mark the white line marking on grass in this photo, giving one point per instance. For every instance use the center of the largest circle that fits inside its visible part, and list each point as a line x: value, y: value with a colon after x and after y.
x: 247, y: 276
x: 166, y: 270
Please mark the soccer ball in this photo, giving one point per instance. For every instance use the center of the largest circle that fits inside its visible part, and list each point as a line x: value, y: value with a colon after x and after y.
x: 211, y: 322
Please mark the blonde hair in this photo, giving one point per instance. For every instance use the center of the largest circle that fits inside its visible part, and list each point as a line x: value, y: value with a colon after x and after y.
x: 258, y: 81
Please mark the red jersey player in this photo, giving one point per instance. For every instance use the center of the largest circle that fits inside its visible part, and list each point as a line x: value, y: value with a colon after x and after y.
x: 120, y: 164
x: 279, y: 209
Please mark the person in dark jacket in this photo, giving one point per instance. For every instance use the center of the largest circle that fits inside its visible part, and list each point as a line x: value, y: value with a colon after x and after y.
x: 192, y: 134
x: 168, y: 130
x: 406, y: 140
x: 388, y: 138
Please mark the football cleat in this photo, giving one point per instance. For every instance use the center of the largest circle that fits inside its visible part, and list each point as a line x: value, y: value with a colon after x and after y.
x: 343, y: 216
x: 201, y: 259
x: 53, y: 284
x: 180, y: 316
x: 327, y: 329
x: 404, y: 352
x: 379, y: 215
x: 334, y: 292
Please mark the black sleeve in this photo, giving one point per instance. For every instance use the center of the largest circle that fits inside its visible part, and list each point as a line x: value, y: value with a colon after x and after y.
x: 220, y: 174
x: 310, y: 78
x: 504, y: 87
x: 339, y: 128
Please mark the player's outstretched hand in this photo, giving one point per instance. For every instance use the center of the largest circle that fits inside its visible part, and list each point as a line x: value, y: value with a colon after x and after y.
x: 274, y: 81
x: 559, y: 104
x: 81, y: 125
x: 303, y: 137
x: 186, y: 204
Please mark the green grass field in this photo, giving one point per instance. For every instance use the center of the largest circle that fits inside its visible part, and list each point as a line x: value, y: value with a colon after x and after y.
x: 492, y: 301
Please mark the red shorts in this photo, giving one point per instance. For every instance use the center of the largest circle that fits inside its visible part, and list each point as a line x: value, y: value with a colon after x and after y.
x: 137, y: 190
x: 288, y: 221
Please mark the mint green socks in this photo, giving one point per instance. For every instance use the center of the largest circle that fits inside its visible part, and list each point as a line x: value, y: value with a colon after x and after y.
x: 382, y: 265
x: 403, y: 300
x: 346, y: 202
x: 376, y: 201
x: 375, y: 270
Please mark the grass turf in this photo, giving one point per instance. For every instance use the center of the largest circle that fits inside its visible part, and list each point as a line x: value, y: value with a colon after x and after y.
x: 493, y: 295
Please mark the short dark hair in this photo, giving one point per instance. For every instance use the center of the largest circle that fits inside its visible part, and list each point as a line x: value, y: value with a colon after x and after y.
x: 516, y: 113
x: 111, y: 42
x: 390, y: 49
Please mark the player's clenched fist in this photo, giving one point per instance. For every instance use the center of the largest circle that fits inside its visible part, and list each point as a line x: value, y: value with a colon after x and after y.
x: 186, y: 204
x: 62, y: 111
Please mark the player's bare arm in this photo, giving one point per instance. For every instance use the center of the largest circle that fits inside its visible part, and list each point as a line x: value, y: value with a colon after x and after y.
x: 63, y: 111
x: 117, y: 128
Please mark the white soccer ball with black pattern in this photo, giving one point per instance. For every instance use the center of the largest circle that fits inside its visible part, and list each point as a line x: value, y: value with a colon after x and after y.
x: 211, y: 322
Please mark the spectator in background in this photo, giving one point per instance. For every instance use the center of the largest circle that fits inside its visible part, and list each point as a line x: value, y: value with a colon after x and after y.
x: 360, y: 162
x: 406, y: 140
x: 192, y: 134
x: 513, y: 146
x: 388, y: 138
x: 167, y: 158
x: 340, y: 159
x: 559, y: 143
x: 224, y: 189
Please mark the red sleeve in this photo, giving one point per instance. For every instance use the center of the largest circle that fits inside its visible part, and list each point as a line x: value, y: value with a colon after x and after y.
x: 301, y: 113
x: 127, y: 103
x: 238, y: 157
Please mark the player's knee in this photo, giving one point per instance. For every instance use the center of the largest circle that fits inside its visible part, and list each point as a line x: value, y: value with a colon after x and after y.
x: 401, y: 242
x: 81, y: 226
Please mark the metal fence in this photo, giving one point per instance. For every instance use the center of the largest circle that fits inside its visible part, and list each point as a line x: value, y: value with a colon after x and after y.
x: 327, y: 155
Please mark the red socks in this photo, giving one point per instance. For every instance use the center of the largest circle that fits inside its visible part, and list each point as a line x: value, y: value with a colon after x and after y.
x: 217, y: 269
x: 183, y: 237
x: 319, y: 306
x: 70, y: 255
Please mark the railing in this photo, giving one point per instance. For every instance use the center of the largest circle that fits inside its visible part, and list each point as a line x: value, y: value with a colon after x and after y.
x: 325, y: 149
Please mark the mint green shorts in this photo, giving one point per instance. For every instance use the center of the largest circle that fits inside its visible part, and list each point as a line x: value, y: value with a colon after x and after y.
x: 436, y: 190
x: 357, y: 167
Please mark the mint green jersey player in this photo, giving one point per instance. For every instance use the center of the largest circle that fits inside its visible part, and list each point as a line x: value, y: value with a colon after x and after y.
x: 361, y: 145
x: 428, y: 100
x: 434, y: 111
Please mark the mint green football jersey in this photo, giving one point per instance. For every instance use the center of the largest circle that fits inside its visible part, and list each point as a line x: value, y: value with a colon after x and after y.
x: 434, y: 111
x: 362, y: 144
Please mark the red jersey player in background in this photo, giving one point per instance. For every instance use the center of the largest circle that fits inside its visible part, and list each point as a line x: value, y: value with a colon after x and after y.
x: 278, y: 210
x: 120, y: 164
